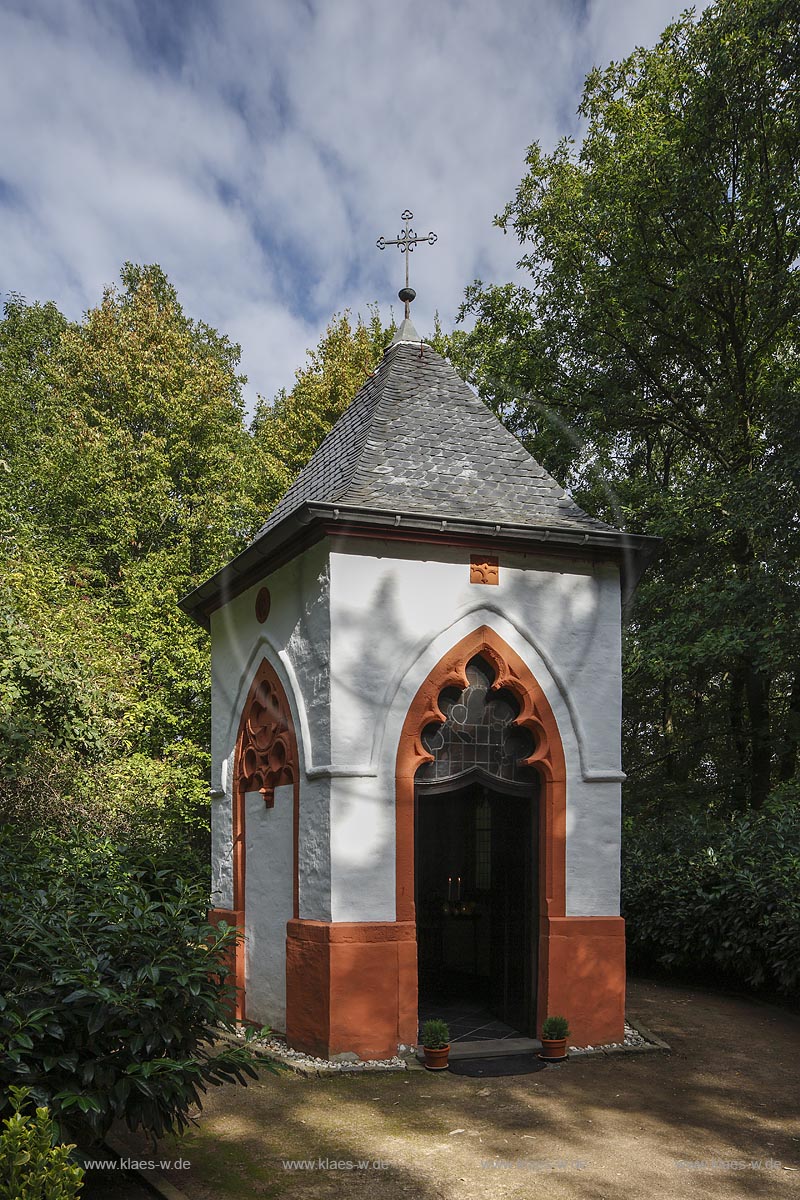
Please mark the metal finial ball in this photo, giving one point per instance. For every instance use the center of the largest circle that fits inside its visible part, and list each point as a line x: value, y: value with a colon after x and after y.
x: 407, y: 294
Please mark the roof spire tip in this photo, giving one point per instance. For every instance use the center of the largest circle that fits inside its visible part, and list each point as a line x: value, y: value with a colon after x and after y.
x: 406, y: 241
x: 407, y: 294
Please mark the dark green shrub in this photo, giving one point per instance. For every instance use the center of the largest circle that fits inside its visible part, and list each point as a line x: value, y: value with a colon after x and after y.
x: 555, y: 1028
x: 435, y: 1034
x: 31, y: 1166
x: 111, y: 987
x: 716, y: 899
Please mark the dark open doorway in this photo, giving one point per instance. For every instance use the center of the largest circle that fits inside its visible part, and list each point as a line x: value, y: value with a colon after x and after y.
x: 476, y: 856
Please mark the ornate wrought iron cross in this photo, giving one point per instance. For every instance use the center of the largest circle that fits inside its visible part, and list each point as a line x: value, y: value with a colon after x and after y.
x: 406, y: 240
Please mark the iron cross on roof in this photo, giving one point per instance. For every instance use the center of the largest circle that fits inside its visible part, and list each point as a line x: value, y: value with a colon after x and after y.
x: 406, y: 240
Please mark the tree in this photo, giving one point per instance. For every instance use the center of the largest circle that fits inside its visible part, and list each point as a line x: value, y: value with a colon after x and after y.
x: 657, y: 346
x: 156, y: 411
x: 126, y: 476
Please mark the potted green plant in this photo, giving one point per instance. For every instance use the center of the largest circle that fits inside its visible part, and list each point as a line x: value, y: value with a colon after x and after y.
x: 436, y: 1044
x: 555, y: 1032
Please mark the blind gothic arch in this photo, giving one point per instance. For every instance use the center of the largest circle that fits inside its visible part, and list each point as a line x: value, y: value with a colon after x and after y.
x: 266, y: 757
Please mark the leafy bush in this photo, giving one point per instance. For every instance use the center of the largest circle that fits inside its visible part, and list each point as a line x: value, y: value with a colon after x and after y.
x: 111, y: 987
x: 716, y: 898
x: 555, y: 1028
x: 31, y: 1166
x: 68, y: 754
x: 435, y: 1034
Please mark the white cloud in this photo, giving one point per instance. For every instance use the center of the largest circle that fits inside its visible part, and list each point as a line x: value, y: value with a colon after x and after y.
x: 257, y: 150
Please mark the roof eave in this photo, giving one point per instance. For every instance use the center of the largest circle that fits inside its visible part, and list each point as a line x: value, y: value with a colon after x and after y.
x: 633, y: 551
x: 248, y: 566
x: 310, y: 522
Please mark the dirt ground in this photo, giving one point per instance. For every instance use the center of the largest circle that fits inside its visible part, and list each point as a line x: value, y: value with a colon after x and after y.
x: 716, y: 1118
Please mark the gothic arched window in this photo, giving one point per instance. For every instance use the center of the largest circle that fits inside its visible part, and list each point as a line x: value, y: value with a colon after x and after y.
x: 478, y: 732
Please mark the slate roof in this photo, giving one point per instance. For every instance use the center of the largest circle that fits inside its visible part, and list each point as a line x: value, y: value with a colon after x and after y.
x: 418, y: 453
x: 417, y: 440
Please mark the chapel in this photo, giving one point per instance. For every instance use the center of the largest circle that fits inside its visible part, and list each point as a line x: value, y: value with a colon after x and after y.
x: 416, y: 714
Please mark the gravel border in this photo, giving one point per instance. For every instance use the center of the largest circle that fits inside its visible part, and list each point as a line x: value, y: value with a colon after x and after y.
x: 275, y: 1049
x: 343, y: 1064
x: 638, y: 1040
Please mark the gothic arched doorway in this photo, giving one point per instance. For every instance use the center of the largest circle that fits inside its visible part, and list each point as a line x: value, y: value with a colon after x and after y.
x: 476, y: 862
x: 481, y: 797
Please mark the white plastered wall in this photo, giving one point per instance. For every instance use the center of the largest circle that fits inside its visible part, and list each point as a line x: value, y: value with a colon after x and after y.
x: 269, y: 846
x: 352, y: 634
x: 295, y: 639
x: 394, y: 614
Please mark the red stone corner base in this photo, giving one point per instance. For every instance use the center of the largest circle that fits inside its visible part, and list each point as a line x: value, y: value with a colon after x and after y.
x: 351, y: 986
x: 582, y: 976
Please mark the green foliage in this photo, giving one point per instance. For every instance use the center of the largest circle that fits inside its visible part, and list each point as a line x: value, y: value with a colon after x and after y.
x: 157, y: 432
x: 435, y: 1034
x: 32, y: 1167
x: 555, y: 1028
x: 126, y: 476
x: 719, y: 898
x: 652, y: 364
x: 111, y: 986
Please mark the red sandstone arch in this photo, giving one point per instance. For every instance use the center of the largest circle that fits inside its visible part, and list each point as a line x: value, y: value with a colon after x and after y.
x: 265, y: 758
x: 535, y: 715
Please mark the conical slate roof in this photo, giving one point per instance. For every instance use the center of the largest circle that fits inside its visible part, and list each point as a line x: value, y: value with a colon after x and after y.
x: 416, y: 439
x: 418, y: 455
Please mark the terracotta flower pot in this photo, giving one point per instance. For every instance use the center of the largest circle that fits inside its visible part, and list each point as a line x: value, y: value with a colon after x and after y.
x: 554, y: 1048
x: 436, y: 1060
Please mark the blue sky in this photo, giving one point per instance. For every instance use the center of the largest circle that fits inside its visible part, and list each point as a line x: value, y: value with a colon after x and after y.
x: 256, y: 149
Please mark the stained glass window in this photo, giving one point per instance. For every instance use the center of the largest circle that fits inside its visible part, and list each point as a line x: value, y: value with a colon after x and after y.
x: 479, y: 731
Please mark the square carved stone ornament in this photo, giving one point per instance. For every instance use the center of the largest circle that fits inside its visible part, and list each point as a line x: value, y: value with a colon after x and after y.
x: 484, y: 568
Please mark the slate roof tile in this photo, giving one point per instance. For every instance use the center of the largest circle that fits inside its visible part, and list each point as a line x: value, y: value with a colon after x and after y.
x: 416, y: 439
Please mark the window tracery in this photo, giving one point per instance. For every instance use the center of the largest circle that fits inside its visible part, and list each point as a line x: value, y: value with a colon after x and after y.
x: 479, y: 731
x: 266, y: 752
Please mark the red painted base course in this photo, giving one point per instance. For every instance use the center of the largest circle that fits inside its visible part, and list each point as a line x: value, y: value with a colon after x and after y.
x: 582, y: 977
x: 234, y: 955
x: 351, y: 986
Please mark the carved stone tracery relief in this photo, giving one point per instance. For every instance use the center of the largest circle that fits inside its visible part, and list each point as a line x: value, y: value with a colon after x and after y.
x: 267, y: 756
x: 484, y: 568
